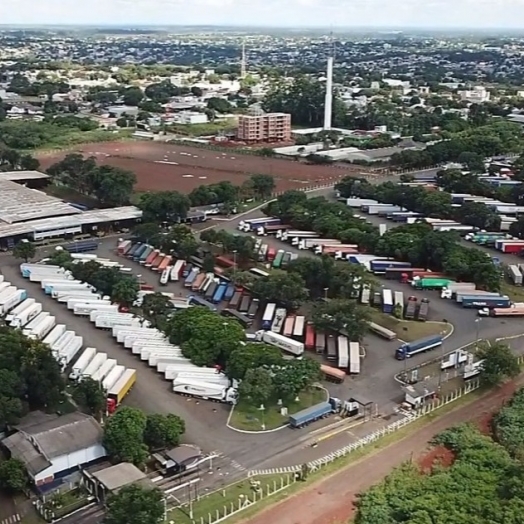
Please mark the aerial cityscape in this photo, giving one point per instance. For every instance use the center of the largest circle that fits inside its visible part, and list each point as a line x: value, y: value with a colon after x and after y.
x: 261, y: 271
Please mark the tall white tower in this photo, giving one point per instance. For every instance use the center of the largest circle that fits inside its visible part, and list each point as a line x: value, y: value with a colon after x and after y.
x: 328, y: 107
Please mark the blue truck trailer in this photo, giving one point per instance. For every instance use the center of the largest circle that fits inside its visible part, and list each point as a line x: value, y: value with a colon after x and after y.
x: 82, y: 246
x: 308, y: 415
x: 219, y: 293
x: 380, y: 266
x: 418, y: 346
x: 482, y: 301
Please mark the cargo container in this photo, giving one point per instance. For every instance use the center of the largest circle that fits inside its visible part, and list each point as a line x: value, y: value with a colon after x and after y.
x: 278, y: 259
x: 331, y: 348
x: 515, y: 275
x: 235, y: 300
x: 457, y: 287
x: 112, y: 377
x: 244, y: 304
x: 160, y: 263
x: 123, y: 247
x: 10, y: 301
x: 431, y: 283
x: 253, y: 224
x: 61, y: 288
x: 513, y: 311
x: 286, y: 344
x: 207, y: 391
x: 332, y: 374
x: 298, y: 328
x: 28, y: 328
x: 199, y: 301
x: 94, y: 365
x: 292, y: 234
x: 398, y: 300
x: 210, y: 291
x: 401, y: 273
x: 459, y: 295
x: 159, y: 355
x: 387, y: 301
x: 19, y: 309
x: 120, y: 389
x: 354, y: 358
x: 25, y: 316
x: 85, y: 309
x: 479, y: 302
x: 309, y: 342
x: 81, y: 364
x: 101, y: 373
x: 42, y: 329
x: 171, y: 371
x: 311, y: 414
x: 144, y: 255
x: 157, y: 260
x: 379, y: 266
x: 176, y: 272
x: 68, y: 353
x: 288, y: 326
x: 364, y: 298
x: 109, y: 322
x: 166, y: 350
x: 188, y: 282
x: 253, y: 308
x: 267, y: 317
x: 320, y: 343
x: 343, y: 352
x: 135, y: 343
x: 418, y: 346
x: 122, y: 333
x: 4, y: 286
x: 278, y: 320
x: 423, y: 310
x: 382, y: 331
x: 70, y: 299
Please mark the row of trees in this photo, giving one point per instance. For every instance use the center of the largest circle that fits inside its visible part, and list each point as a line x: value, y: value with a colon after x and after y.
x: 12, y: 160
x: 111, y: 186
x: 487, y: 140
x: 123, y: 289
x: 419, y: 244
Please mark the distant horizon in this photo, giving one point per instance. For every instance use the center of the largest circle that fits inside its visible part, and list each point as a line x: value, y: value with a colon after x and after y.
x: 433, y: 15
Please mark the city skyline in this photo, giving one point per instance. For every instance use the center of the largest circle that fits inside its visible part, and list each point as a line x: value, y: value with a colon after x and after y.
x: 442, y: 14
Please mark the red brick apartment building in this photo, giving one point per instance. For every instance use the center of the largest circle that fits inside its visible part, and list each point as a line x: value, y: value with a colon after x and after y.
x: 265, y: 127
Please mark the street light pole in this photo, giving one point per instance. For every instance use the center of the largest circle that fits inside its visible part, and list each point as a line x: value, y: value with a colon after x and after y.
x: 443, y: 333
x: 477, y: 328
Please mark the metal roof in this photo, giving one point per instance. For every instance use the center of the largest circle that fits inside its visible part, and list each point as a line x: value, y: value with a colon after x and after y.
x: 23, y: 175
x: 19, y: 203
x: 119, y: 475
x: 95, y: 216
x: 37, y: 442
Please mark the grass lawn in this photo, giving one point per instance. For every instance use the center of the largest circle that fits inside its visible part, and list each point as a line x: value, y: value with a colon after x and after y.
x: 515, y: 293
x: 224, y: 497
x: 250, y: 418
x: 409, y: 330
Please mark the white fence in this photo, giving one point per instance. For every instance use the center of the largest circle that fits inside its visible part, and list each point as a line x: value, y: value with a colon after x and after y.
x: 376, y: 435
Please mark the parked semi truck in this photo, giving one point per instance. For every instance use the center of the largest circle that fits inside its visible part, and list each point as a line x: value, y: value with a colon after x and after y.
x: 120, y: 389
x: 11, y: 300
x: 418, y: 346
x: 513, y: 311
x: 457, y: 287
x: 280, y: 341
x: 423, y: 310
x: 54, y: 335
x: 112, y: 378
x: 432, y: 283
x: 311, y: 414
x: 480, y: 302
x: 411, y: 308
x: 28, y: 302
x: 81, y: 364
x: 207, y: 391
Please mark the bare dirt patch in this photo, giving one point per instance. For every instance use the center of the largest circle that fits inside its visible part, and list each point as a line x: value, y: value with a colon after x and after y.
x: 437, y: 456
x: 161, y: 166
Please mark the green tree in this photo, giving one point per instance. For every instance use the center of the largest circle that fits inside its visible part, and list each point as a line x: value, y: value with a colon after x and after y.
x: 125, y: 291
x: 132, y: 96
x: 220, y: 105
x: 163, y: 431
x: 262, y: 185
x: 148, y: 232
x: 13, y: 475
x: 286, y: 288
x: 164, y: 206
x: 341, y: 315
x: 498, y: 364
x: 257, y: 385
x: 155, y: 308
x: 208, y: 264
x: 89, y: 394
x: 294, y: 377
x: 252, y: 356
x: 124, y: 435
x: 24, y: 250
x: 135, y: 504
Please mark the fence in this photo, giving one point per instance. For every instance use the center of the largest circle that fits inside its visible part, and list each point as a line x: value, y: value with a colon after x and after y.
x: 376, y: 435
x: 244, y: 501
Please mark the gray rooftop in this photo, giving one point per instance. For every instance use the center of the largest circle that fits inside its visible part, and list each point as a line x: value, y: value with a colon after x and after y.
x: 23, y: 175
x: 19, y: 203
x: 119, y: 475
x: 40, y: 438
x: 183, y: 454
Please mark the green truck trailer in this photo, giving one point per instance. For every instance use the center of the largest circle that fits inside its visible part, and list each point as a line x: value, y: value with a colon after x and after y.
x: 432, y: 283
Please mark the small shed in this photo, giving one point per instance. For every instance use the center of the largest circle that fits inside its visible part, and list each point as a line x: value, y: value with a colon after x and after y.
x: 179, y: 459
x: 110, y: 480
x: 417, y: 394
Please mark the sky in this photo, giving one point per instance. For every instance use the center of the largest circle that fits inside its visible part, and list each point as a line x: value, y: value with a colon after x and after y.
x: 272, y: 13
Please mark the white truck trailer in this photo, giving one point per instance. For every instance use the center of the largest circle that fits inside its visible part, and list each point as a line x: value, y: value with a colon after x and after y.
x: 93, y: 366
x: 28, y: 314
x: 82, y: 362
x: 138, y: 344
x: 172, y: 371
x: 42, y: 330
x: 101, y: 373
x: 280, y: 341
x: 18, y: 309
x: 161, y: 354
x: 163, y: 362
x: 30, y: 326
x: 62, y: 342
x: 4, y: 285
x: 109, y: 321
x: 55, y: 334
x: 120, y: 333
x: 207, y: 391
x: 71, y: 300
x: 203, y: 376
x: 168, y: 349
x: 60, y: 281
x: 7, y: 303
x: 112, y: 378
x: 86, y: 309
x: 69, y: 352
x: 139, y: 338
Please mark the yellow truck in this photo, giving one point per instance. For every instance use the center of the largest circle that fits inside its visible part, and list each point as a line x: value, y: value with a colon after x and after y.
x: 121, y: 388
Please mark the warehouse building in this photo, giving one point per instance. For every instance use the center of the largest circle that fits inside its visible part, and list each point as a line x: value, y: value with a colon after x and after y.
x: 34, y: 215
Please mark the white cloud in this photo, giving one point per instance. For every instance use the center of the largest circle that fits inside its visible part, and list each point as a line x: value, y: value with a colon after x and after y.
x: 293, y: 13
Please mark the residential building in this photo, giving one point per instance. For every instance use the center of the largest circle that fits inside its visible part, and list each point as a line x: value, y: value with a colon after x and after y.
x: 191, y: 117
x: 477, y: 95
x: 264, y: 127
x: 51, y: 446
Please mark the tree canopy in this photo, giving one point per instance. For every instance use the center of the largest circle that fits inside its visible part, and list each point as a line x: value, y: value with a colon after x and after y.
x: 135, y: 504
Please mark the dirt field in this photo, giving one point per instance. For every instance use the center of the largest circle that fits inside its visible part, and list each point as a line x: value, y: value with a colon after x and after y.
x: 160, y: 166
x: 331, y: 500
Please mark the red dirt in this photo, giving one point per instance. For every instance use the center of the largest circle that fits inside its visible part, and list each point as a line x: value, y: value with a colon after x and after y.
x: 331, y: 500
x: 187, y: 167
x: 437, y: 456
